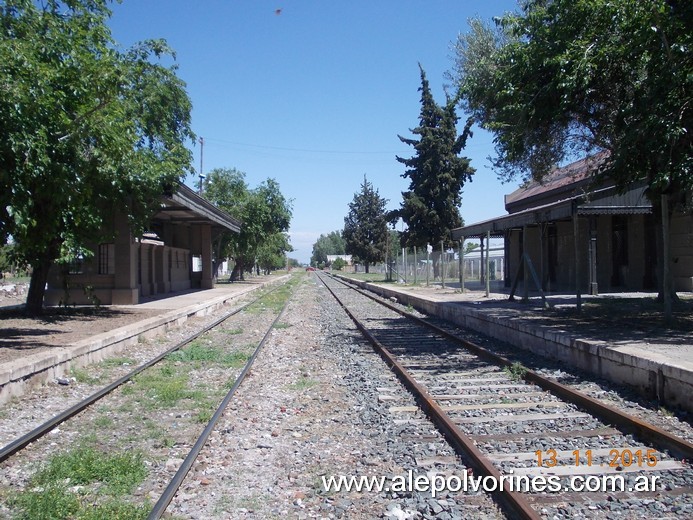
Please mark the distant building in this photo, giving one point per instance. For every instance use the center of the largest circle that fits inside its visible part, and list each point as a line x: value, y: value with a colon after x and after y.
x: 348, y: 268
x: 575, y: 233
x: 174, y: 255
x: 346, y: 258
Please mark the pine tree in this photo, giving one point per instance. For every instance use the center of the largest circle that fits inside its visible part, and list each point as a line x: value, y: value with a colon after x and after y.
x: 365, y: 227
x: 437, y: 173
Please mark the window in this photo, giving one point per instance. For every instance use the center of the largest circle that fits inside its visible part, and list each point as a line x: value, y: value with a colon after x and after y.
x: 106, y: 259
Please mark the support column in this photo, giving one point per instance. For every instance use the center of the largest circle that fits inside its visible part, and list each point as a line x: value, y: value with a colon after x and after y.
x: 163, y: 269
x: 525, y: 266
x: 462, y: 264
x: 576, y: 240
x: 206, y: 253
x: 542, y: 280
x: 488, y: 263
x: 125, y: 289
x: 593, y: 286
x: 442, y: 264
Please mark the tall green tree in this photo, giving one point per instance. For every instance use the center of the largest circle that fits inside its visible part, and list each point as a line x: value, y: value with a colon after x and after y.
x: 568, y: 76
x: 577, y: 76
x: 86, y: 131
x: 264, y: 212
x: 365, y: 227
x: 330, y: 244
x: 272, y: 252
x: 436, y: 173
x: 227, y: 189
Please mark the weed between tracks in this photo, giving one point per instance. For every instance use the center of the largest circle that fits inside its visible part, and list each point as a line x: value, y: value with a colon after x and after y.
x: 303, y: 383
x: 516, y: 371
x: 274, y: 301
x: 83, y: 484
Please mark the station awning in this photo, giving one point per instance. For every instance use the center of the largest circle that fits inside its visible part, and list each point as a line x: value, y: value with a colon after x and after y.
x: 186, y: 206
x: 606, y: 201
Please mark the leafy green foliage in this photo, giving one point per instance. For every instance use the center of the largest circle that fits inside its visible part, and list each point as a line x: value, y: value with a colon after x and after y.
x: 430, y: 208
x: 272, y: 252
x: 85, y: 465
x: 7, y: 259
x: 365, y: 227
x: 516, y: 371
x: 338, y: 264
x: 570, y: 76
x: 330, y: 244
x: 197, y: 353
x: 86, y: 131
x: 266, y: 216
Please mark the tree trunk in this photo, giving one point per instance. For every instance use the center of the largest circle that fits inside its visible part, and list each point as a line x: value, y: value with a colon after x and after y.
x: 366, y: 266
x: 37, y: 287
x: 237, y: 273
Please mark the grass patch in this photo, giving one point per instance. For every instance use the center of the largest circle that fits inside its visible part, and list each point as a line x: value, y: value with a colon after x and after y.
x: 117, y: 362
x: 104, y: 422
x: 303, y: 383
x: 83, y: 484
x: 204, y: 416
x: 163, y: 387
x: 236, y: 359
x: 83, y: 376
x: 368, y: 277
x: 281, y: 325
x: 274, y: 301
x: 198, y: 354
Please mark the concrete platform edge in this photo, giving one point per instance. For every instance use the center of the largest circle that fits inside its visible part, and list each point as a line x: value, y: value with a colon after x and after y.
x: 666, y: 382
x: 18, y: 376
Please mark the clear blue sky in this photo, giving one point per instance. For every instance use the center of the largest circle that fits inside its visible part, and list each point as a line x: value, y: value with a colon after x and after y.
x: 315, y: 95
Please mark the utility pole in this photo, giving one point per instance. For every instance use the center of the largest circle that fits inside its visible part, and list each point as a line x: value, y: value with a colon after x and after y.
x: 202, y: 146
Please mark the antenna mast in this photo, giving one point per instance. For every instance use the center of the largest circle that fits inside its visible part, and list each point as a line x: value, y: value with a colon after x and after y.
x: 202, y: 177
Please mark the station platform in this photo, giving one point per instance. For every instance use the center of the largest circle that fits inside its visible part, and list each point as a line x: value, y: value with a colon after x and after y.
x: 37, y: 362
x: 605, y: 339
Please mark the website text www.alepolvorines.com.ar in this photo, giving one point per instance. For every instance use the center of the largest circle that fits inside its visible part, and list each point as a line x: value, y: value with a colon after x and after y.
x: 437, y: 483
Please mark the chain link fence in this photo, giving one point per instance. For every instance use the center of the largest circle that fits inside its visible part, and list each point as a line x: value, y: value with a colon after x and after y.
x: 418, y: 266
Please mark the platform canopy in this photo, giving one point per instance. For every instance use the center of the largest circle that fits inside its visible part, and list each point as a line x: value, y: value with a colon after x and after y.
x: 606, y: 201
x: 565, y: 193
x: 186, y: 206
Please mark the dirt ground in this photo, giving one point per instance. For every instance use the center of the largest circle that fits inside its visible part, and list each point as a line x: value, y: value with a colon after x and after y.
x: 21, y: 335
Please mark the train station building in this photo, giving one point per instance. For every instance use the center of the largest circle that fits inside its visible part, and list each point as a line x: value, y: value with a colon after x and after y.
x: 567, y: 233
x: 175, y: 254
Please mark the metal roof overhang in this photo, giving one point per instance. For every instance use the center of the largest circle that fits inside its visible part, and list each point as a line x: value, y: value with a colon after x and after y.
x: 185, y: 206
x: 602, y: 202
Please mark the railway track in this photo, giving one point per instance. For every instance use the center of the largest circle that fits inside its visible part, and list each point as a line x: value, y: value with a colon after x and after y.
x: 538, y: 446
x: 215, y: 352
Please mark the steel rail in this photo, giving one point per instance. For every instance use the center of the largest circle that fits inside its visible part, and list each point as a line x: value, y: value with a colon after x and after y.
x: 609, y: 414
x: 38, y: 432
x: 160, y: 507
x: 461, y: 442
